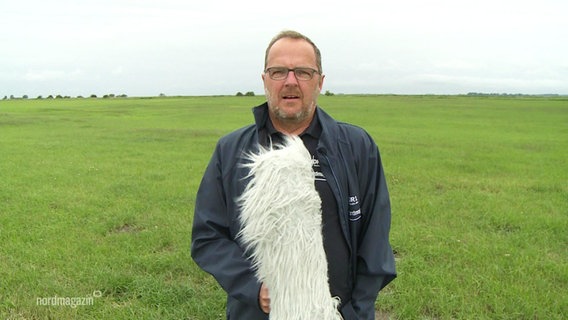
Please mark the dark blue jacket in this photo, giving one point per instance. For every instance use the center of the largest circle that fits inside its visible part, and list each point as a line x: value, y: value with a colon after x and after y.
x: 350, y: 161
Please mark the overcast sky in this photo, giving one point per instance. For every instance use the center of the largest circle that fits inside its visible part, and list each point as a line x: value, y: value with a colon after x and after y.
x: 180, y: 47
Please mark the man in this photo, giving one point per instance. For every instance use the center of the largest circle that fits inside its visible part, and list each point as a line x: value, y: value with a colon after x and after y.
x: 349, y: 179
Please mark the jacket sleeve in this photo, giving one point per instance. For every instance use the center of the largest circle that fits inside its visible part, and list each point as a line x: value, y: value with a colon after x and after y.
x: 375, y: 259
x: 213, y: 246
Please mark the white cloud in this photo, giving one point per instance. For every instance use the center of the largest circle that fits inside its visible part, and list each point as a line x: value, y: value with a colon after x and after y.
x: 117, y: 71
x: 180, y: 47
x: 51, y: 75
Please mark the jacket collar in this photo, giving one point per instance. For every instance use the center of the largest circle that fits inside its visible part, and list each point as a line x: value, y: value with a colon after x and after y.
x: 329, y: 127
x: 260, y: 115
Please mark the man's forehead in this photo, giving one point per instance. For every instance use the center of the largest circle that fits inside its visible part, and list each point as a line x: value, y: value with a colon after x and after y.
x: 286, y: 47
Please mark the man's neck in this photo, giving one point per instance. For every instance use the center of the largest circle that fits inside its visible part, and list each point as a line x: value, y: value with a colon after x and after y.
x: 290, y: 127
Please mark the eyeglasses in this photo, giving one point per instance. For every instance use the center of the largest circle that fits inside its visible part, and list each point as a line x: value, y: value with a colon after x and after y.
x: 281, y: 73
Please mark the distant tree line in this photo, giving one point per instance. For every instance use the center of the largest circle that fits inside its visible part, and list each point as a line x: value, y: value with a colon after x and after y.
x: 248, y: 94
x: 251, y: 94
x: 25, y: 96
x: 483, y: 94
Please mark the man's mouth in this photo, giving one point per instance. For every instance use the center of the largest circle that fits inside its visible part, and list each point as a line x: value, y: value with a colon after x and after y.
x: 290, y: 97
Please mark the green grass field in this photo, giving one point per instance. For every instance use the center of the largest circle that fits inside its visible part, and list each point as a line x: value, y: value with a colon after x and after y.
x: 97, y: 195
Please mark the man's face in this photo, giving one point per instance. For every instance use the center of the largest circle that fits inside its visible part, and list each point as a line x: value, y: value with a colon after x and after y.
x: 291, y: 100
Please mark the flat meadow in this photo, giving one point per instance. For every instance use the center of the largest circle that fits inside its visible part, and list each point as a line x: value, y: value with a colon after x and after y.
x: 97, y: 195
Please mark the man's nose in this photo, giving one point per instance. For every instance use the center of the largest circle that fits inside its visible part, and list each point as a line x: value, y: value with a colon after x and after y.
x: 291, y: 78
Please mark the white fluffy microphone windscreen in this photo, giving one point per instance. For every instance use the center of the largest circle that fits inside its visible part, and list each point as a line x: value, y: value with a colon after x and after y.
x: 281, y: 229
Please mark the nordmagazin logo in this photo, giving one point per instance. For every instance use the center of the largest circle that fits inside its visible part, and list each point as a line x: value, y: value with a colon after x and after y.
x: 72, y: 302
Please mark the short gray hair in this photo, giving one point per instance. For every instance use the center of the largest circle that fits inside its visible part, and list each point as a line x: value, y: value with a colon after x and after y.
x: 294, y: 35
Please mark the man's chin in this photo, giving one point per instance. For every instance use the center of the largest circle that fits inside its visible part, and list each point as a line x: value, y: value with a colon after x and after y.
x: 290, y: 112
x: 291, y: 117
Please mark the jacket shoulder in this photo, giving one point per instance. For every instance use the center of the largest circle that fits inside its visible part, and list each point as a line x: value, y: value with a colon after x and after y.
x: 354, y: 135
x: 237, y: 136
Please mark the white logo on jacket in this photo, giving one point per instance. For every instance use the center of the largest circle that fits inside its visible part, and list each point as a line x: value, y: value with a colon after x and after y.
x: 354, y: 208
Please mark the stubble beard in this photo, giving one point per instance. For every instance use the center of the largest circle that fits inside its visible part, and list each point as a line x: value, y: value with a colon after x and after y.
x: 285, y: 117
